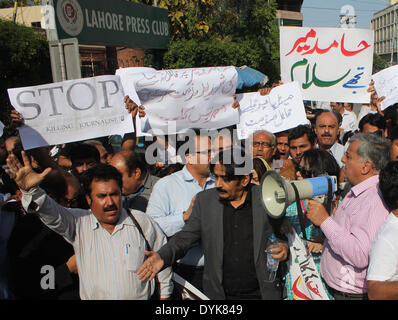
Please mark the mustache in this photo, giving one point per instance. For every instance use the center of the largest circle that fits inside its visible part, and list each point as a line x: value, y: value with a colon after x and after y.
x: 110, y: 208
x: 221, y: 190
x: 326, y: 135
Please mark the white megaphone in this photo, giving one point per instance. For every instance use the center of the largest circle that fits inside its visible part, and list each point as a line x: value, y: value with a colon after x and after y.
x: 277, y: 193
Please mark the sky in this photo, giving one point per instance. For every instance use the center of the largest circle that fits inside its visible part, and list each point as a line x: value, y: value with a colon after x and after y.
x: 322, y: 13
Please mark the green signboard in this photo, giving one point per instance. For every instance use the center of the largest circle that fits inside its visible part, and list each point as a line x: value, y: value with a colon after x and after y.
x: 112, y: 23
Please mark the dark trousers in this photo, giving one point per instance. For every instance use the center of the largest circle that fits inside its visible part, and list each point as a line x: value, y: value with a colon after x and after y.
x: 192, y: 274
x: 338, y: 295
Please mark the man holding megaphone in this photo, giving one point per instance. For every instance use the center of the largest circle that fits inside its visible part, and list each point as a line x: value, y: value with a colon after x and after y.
x: 350, y: 232
x: 317, y: 172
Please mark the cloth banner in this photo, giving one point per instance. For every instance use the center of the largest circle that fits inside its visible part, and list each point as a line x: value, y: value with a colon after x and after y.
x: 178, y: 99
x: 330, y: 64
x: 280, y: 110
x: 71, y: 110
x: 306, y: 280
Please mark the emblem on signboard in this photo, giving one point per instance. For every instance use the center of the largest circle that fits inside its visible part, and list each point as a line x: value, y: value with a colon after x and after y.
x: 70, y: 16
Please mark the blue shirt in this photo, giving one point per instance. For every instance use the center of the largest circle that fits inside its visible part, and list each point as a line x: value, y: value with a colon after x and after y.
x: 170, y: 197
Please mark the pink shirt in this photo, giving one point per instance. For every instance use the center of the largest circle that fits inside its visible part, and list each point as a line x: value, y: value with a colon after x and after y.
x: 349, y: 236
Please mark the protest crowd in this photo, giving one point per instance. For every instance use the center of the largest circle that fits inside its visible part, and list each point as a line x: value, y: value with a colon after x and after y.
x: 178, y: 217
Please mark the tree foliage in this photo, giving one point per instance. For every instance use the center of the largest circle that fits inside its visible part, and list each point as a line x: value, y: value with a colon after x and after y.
x: 222, y: 32
x: 378, y: 63
x: 24, y: 61
x: 21, y: 3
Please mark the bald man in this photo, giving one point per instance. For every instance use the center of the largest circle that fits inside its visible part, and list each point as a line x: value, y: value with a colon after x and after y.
x: 137, y: 182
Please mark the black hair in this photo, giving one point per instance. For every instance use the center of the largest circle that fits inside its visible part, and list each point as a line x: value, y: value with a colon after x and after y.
x: 300, y: 131
x: 101, y: 172
x: 321, y: 162
x: 390, y: 113
x: 55, y: 185
x: 388, y: 184
x: 133, y: 161
x: 228, y: 158
x: 393, y: 133
x: 347, y: 135
x: 17, y: 151
x: 81, y: 151
x: 259, y: 167
x: 374, y: 119
x: 338, y: 116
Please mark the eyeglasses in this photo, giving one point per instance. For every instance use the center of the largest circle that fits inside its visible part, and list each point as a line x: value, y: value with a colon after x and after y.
x: 204, y: 152
x: 305, y: 173
x: 262, y: 143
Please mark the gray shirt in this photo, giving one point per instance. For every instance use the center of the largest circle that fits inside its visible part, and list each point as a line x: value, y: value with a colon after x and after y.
x: 139, y: 200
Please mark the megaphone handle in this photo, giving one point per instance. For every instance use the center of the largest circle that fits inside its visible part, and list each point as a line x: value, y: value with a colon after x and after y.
x: 299, y: 211
x: 330, y: 196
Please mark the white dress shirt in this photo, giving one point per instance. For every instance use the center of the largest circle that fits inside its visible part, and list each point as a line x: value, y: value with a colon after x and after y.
x: 337, y: 151
x: 349, y: 122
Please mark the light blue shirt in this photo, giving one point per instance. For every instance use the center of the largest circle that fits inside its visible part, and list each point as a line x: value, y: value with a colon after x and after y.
x: 170, y: 197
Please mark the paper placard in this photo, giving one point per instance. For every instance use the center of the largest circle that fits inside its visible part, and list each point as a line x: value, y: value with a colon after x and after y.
x: 330, y: 64
x: 71, y: 110
x: 280, y: 110
x: 178, y: 99
x: 386, y: 84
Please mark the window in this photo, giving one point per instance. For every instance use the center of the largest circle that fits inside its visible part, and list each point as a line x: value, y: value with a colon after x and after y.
x: 36, y: 24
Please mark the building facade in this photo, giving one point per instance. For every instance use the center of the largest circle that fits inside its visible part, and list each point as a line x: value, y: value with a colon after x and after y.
x: 385, y: 26
x: 95, y: 60
x: 289, y: 13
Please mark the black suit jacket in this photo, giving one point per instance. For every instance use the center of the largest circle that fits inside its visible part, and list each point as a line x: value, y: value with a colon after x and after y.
x: 205, y: 225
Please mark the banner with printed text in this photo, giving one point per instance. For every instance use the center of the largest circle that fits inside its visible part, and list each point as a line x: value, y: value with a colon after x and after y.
x: 71, y: 110
x: 330, y: 64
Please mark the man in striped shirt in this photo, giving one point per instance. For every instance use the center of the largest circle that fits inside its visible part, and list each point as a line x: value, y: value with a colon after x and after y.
x: 350, y: 232
x: 108, y: 245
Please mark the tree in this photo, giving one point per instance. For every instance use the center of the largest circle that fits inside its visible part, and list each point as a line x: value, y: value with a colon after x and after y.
x: 24, y: 61
x: 378, y: 63
x: 188, y: 18
x: 222, y: 32
x: 21, y: 3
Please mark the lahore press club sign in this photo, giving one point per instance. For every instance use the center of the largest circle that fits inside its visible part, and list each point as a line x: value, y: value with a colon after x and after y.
x: 121, y: 24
